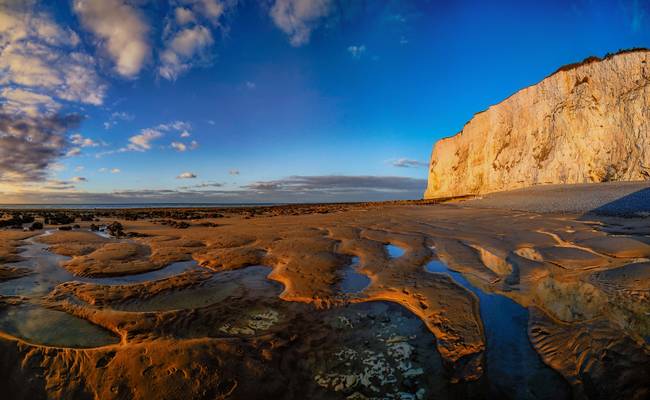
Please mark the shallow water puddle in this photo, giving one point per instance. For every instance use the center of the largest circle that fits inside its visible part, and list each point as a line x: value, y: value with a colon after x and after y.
x: 221, y: 286
x: 514, y: 369
x: 166, y: 272
x: 353, y: 281
x: 377, y: 350
x: 394, y: 251
x: 48, y: 272
x: 40, y: 325
x: 103, y: 234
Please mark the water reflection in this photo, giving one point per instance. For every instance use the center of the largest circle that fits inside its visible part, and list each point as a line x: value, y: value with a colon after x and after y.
x: 394, y: 251
x: 166, y: 272
x: 41, y: 325
x: 514, y: 369
x: 353, y: 281
x: 48, y: 273
x: 221, y: 286
x: 377, y: 350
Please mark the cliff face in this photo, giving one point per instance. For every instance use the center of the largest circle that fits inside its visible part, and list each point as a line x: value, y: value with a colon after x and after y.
x: 586, y: 123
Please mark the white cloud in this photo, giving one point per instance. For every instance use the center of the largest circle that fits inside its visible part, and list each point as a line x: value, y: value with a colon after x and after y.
x: 78, y: 140
x: 189, y: 41
x: 186, y: 175
x: 57, y: 167
x: 175, y: 126
x: 79, y: 179
x: 212, y: 10
x: 121, y: 29
x: 181, y: 147
x: 142, y: 141
x: 408, y: 163
x: 41, y: 63
x: 187, y: 35
x: 75, y: 151
x: 298, y: 18
x: 79, y: 168
x: 28, y: 102
x: 185, y: 134
x: 122, y: 115
x: 186, y: 47
x: 357, y: 51
x: 116, y: 117
x: 112, y: 170
x: 178, y: 146
x: 81, y: 81
x: 183, y: 15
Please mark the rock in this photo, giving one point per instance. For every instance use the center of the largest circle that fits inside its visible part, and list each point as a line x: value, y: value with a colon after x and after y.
x: 413, y: 372
x: 588, y: 122
x: 351, y: 381
x: 115, y: 229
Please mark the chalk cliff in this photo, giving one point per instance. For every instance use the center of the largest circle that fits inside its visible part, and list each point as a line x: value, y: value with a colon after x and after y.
x: 587, y: 122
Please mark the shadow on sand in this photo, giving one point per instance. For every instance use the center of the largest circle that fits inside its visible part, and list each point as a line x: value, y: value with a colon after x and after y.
x: 636, y: 204
x: 627, y: 216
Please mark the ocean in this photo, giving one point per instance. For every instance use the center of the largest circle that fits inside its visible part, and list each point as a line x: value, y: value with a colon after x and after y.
x: 130, y: 205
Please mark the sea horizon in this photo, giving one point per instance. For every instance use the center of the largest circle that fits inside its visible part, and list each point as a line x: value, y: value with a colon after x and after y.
x: 92, y: 206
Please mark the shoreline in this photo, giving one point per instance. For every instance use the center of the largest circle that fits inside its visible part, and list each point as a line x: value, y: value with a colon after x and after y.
x: 624, y: 199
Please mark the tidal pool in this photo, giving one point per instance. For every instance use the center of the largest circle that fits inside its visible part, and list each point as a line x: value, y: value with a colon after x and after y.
x: 165, y: 272
x: 48, y: 272
x: 394, y: 251
x: 513, y: 368
x: 377, y: 350
x: 249, y: 281
x: 40, y: 325
x: 353, y: 281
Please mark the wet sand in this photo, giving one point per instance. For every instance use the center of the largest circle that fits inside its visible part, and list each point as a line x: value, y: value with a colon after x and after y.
x: 413, y: 300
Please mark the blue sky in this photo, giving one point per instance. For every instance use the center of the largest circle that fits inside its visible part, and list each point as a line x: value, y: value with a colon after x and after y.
x: 279, y: 100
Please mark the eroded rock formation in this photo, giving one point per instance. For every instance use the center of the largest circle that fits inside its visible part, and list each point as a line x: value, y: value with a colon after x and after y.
x: 588, y: 122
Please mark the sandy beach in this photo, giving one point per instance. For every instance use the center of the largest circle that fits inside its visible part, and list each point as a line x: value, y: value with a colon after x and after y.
x: 165, y: 294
